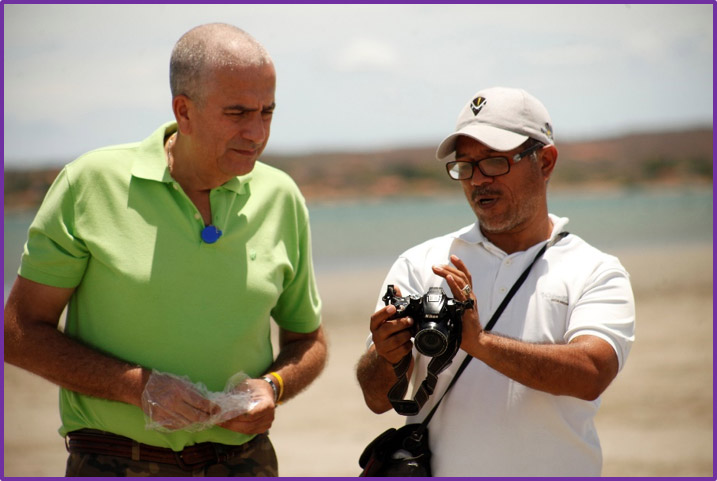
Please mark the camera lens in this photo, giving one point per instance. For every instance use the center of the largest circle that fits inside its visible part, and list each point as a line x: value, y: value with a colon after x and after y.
x: 431, y: 342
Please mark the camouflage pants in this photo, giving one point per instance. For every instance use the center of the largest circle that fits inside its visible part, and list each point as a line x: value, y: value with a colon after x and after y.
x: 258, y: 459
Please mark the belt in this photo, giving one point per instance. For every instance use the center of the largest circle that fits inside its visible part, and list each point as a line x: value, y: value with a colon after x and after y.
x: 91, y: 441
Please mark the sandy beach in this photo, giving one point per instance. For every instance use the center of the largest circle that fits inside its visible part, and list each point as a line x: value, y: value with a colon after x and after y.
x: 656, y: 419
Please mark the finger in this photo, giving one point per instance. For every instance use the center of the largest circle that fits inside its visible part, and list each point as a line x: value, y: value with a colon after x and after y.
x: 176, y: 407
x: 239, y: 426
x: 197, y: 401
x: 189, y: 403
x: 386, y: 312
x: 260, y: 413
x: 464, y: 270
x: 462, y: 267
x: 169, y: 419
x: 447, y: 270
x: 182, y: 393
x: 392, y: 342
x: 383, y: 327
x: 258, y: 420
x: 395, y: 354
x: 201, y: 404
x: 456, y: 287
x: 399, y: 353
x: 191, y: 413
x: 381, y: 316
x: 458, y: 278
x: 391, y: 327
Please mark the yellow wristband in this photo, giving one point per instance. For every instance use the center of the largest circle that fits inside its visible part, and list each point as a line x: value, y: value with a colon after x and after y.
x: 281, y: 384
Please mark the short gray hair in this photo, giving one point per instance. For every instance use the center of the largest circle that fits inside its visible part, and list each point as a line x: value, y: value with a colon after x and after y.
x: 206, y: 48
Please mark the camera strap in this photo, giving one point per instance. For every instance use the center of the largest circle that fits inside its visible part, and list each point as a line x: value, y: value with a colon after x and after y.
x: 438, y: 364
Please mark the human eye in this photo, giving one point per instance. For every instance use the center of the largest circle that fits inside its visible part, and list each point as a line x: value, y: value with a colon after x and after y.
x: 268, y: 112
x: 494, y: 165
x: 235, y: 112
x: 459, y: 169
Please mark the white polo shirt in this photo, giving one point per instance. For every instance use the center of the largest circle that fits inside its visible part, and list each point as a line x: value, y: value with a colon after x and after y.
x: 490, y: 425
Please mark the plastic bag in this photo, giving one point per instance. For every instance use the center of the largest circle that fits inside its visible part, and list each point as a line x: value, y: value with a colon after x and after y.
x: 162, y: 409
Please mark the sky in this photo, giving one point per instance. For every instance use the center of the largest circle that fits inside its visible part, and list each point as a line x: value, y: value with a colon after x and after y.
x: 357, y: 77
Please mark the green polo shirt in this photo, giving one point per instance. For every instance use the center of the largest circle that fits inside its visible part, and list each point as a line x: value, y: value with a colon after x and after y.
x: 119, y: 229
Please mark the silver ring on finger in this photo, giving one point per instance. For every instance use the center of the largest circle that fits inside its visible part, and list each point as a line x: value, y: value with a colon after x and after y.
x: 466, y: 290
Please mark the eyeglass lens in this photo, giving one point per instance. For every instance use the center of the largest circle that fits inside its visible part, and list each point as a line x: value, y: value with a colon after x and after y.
x: 491, y: 167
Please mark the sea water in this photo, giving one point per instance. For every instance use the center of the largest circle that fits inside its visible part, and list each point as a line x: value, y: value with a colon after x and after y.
x: 372, y: 233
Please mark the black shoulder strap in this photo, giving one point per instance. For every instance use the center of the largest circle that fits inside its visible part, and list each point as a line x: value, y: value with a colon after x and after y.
x: 494, y: 319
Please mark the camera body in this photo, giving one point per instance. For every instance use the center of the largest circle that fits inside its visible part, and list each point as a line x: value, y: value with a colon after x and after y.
x: 437, y: 318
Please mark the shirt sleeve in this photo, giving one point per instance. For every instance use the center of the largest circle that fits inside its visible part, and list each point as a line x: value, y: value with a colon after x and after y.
x: 606, y: 310
x: 55, y: 253
x: 299, y: 306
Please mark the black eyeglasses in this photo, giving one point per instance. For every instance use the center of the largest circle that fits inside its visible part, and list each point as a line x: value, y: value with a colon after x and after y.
x: 490, y: 166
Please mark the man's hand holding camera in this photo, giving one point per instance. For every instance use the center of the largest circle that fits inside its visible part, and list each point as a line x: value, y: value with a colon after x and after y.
x: 391, y: 337
x: 460, y: 282
x: 434, y: 320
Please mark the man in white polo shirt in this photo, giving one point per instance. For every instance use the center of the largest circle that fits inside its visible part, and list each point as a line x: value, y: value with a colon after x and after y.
x: 525, y: 404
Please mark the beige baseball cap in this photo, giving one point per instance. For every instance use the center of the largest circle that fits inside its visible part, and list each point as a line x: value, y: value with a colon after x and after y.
x: 501, y: 118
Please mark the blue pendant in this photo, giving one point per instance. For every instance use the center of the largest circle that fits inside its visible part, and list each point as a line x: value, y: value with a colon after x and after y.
x: 210, y: 234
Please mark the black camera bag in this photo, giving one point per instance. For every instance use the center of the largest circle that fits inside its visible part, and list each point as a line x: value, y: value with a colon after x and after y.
x: 411, y: 444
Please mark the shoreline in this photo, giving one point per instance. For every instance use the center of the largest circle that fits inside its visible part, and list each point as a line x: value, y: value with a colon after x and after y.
x: 586, y: 188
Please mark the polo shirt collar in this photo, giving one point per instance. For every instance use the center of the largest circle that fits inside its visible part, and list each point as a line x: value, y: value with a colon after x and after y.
x: 151, y: 162
x: 472, y: 234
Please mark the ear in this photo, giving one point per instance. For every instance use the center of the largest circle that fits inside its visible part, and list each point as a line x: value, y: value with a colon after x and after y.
x: 182, y: 107
x: 548, y: 159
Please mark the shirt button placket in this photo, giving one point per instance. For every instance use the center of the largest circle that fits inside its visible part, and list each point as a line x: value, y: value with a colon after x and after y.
x: 507, y: 263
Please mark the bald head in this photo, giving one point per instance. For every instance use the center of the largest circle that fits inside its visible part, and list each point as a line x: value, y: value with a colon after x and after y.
x: 206, y: 48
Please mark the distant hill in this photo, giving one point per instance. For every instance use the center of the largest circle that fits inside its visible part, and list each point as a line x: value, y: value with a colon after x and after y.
x: 668, y: 157
x: 682, y: 157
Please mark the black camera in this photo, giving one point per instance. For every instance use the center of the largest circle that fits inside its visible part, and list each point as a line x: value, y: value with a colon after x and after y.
x: 437, y: 318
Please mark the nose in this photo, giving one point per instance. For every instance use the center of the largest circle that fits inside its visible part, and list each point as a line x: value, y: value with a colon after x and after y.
x: 478, y: 177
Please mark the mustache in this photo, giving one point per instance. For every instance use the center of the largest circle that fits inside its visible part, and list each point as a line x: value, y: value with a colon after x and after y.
x: 484, y: 192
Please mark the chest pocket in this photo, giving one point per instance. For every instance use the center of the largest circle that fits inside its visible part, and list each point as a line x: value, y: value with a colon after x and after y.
x: 548, y: 311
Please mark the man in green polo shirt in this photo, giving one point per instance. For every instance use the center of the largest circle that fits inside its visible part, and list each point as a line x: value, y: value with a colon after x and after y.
x: 171, y: 255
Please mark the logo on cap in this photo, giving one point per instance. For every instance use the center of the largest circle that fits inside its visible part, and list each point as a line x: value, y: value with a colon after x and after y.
x: 477, y: 104
x: 548, y: 130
